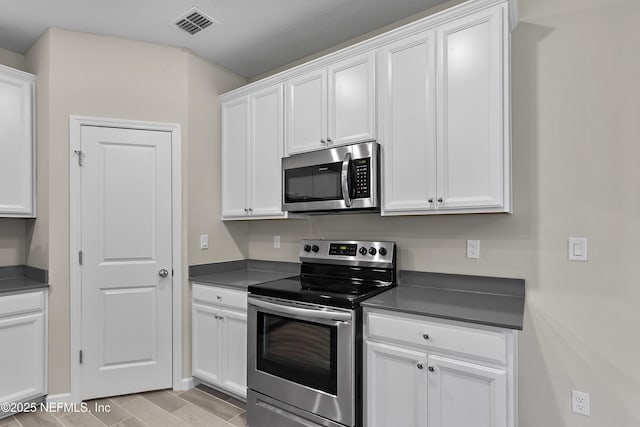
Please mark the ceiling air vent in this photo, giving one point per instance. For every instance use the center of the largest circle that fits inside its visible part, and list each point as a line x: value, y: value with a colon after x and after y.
x: 193, y: 21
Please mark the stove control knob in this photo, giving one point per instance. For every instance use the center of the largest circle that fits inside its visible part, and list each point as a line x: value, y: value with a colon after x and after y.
x: 307, y: 248
x: 382, y: 251
x: 363, y: 250
x: 315, y: 248
x: 373, y: 251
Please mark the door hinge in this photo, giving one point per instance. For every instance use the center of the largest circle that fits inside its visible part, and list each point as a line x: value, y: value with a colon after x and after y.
x: 79, y: 154
x: 81, y: 357
x: 80, y: 257
x: 171, y: 272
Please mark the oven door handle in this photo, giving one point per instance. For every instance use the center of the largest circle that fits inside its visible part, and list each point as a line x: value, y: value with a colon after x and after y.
x: 345, y: 179
x: 305, y: 312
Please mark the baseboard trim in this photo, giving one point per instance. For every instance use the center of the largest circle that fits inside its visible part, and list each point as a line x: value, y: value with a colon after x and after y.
x: 60, y: 398
x: 186, y: 384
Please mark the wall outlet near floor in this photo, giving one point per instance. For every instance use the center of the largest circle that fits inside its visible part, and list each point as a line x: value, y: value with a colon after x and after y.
x: 473, y: 249
x: 580, y: 402
x: 204, y: 241
x: 276, y: 242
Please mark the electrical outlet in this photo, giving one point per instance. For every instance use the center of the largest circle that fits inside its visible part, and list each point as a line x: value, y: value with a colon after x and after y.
x: 276, y: 242
x: 580, y: 402
x: 473, y: 249
x: 204, y: 241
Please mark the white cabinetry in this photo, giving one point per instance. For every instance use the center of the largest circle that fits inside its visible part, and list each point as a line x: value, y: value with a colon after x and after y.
x: 423, y: 372
x: 17, y: 143
x: 252, y: 145
x: 219, y: 337
x: 445, y: 117
x: 332, y: 106
x: 23, y: 361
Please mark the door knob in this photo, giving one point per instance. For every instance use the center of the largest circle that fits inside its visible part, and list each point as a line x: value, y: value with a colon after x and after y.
x: 163, y: 273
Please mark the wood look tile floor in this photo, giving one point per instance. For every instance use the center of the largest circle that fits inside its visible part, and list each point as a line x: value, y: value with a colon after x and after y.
x: 198, y: 407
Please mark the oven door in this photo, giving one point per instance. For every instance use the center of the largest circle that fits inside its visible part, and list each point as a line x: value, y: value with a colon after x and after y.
x: 303, y: 354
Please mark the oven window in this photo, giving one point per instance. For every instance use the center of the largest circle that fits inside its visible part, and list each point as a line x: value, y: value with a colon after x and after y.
x: 313, y: 183
x: 298, y: 351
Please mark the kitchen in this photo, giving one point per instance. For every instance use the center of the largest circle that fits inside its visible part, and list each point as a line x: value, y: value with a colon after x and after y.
x: 570, y: 91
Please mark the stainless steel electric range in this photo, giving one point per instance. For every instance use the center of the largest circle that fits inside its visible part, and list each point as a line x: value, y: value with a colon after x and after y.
x: 305, y: 335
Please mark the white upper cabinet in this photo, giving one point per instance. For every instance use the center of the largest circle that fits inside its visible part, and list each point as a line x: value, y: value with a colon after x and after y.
x: 252, y: 145
x: 17, y: 143
x: 444, y: 113
x: 235, y: 157
x: 408, y: 109
x: 472, y: 137
x: 266, y: 152
x: 352, y: 100
x: 434, y: 93
x: 332, y: 106
x: 307, y: 112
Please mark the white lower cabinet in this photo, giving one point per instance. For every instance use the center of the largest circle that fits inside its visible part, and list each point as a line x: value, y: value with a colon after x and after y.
x: 421, y: 371
x: 23, y: 361
x: 219, y: 337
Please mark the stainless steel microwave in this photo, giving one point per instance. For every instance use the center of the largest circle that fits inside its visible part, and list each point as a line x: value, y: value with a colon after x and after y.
x: 334, y: 179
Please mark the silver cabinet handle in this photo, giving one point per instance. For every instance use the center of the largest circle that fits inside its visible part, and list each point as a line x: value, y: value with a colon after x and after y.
x: 440, y: 199
x: 163, y: 273
x: 344, y: 177
x: 430, y: 200
x: 425, y: 336
x: 419, y: 365
x: 431, y: 369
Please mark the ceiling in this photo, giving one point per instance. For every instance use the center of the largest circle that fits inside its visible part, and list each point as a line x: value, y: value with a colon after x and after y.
x: 252, y: 36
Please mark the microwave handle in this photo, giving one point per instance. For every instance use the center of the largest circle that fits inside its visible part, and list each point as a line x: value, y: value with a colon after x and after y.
x: 345, y: 179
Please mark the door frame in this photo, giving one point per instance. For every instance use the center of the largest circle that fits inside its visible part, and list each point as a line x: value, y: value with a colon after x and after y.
x: 75, y: 282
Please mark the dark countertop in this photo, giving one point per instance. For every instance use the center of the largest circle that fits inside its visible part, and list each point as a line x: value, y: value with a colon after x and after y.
x: 20, y: 278
x: 242, y: 274
x: 476, y: 299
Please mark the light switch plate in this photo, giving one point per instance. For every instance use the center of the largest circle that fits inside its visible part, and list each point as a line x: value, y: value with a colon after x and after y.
x: 577, y: 249
x: 204, y: 241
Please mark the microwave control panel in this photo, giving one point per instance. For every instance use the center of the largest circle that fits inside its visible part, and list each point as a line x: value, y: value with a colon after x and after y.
x: 363, y: 178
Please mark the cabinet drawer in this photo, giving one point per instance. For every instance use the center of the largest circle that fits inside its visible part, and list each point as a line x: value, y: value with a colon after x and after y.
x: 11, y: 305
x: 424, y: 333
x: 219, y: 296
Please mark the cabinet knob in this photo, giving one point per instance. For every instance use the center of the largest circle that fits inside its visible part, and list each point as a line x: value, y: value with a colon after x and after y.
x: 431, y: 369
x: 430, y: 200
x: 246, y: 210
x: 329, y: 141
x: 219, y: 297
x: 323, y: 141
x: 419, y: 365
x: 440, y: 199
x: 216, y: 316
x: 425, y: 336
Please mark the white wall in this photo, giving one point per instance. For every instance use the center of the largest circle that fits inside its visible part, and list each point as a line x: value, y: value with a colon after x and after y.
x: 576, y: 147
x: 90, y: 75
x: 12, y: 59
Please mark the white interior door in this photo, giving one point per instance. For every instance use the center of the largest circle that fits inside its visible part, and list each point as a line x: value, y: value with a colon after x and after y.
x: 126, y: 244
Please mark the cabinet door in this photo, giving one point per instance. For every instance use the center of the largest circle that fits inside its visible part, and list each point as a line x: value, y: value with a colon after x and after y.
x: 471, y: 107
x: 235, y: 157
x: 22, y: 360
x: 267, y: 145
x: 234, y: 351
x: 352, y: 100
x: 408, y: 124
x: 205, y: 346
x: 16, y: 144
x: 396, y: 386
x: 466, y: 394
x: 306, y: 109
